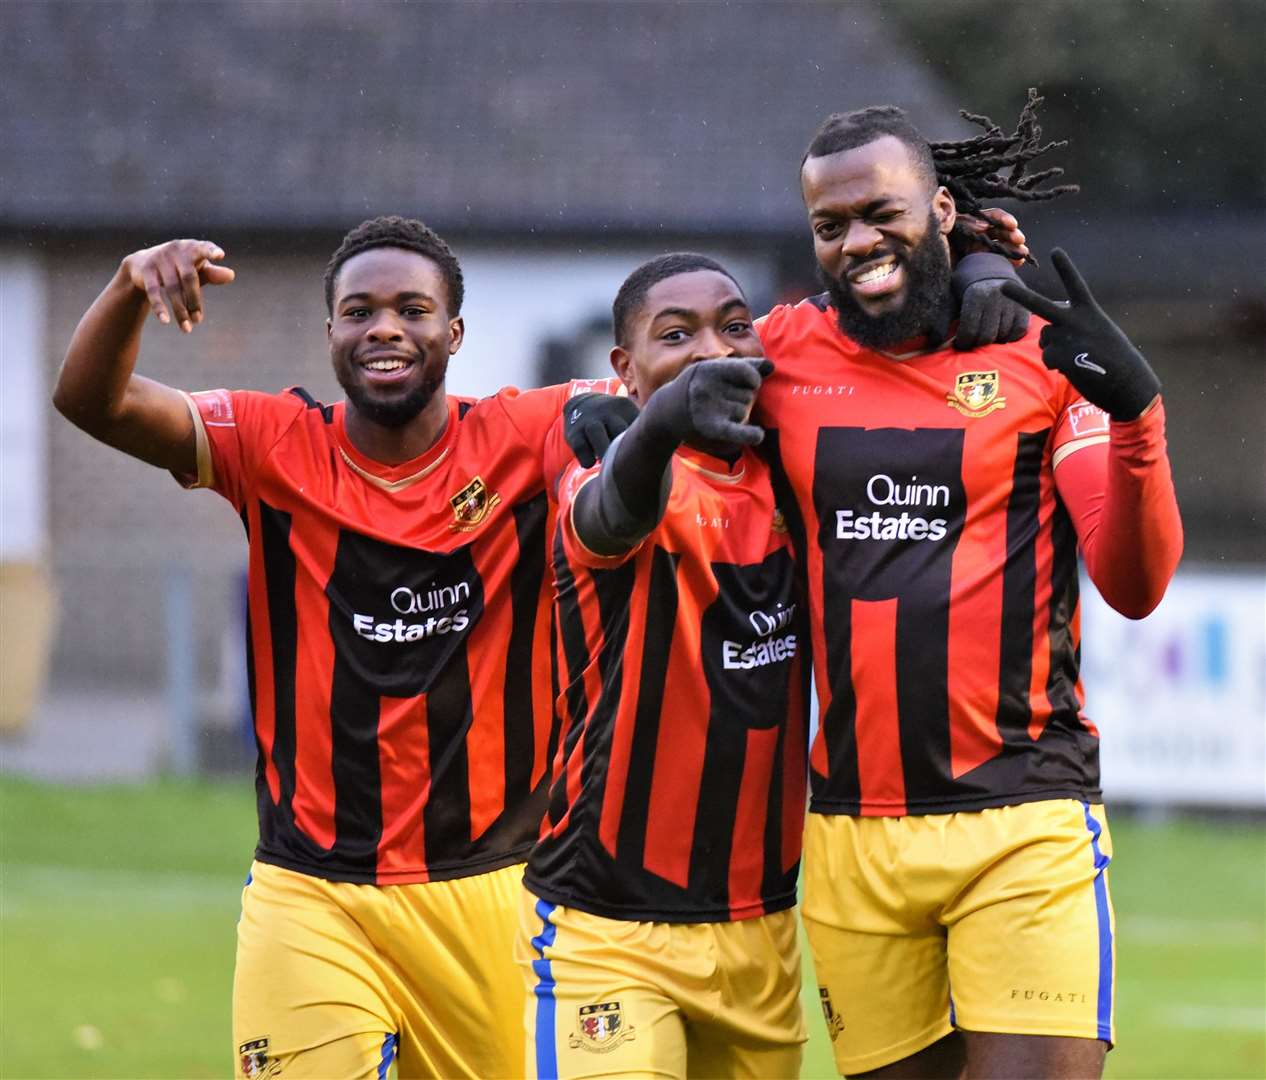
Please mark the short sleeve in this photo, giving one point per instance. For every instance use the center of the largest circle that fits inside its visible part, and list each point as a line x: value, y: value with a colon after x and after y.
x: 1078, y: 426
x: 234, y: 429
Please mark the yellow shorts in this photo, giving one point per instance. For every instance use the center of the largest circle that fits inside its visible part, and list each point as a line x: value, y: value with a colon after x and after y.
x: 995, y: 920
x: 335, y: 979
x: 608, y: 997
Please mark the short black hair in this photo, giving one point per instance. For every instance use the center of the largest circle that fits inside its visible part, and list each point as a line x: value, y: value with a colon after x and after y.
x: 633, y: 292
x: 847, y: 131
x: 391, y: 230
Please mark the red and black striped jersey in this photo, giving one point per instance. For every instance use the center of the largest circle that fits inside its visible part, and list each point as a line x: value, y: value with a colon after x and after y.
x: 941, y: 567
x: 679, y: 790
x: 399, y: 632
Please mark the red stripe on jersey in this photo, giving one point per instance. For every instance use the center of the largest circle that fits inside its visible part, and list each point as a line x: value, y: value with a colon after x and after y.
x: 975, y: 619
x: 747, y: 864
x: 313, y: 543
x: 262, y: 649
x: 404, y: 763
x: 1039, y: 704
x: 679, y: 749
x: 875, y: 677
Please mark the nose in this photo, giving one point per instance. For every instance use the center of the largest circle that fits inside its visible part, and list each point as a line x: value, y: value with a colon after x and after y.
x: 860, y: 240
x: 710, y: 345
x: 384, y: 327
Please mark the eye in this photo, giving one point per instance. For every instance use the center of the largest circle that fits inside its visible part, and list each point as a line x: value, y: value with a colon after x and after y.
x: 413, y: 311
x: 886, y: 215
x: 826, y: 230
x: 355, y: 313
x: 738, y: 327
x: 674, y: 337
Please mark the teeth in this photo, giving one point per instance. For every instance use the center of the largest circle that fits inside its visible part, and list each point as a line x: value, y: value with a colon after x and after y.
x: 385, y: 365
x: 878, y: 273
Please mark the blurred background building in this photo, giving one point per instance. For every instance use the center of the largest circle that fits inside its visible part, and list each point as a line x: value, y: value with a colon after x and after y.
x: 556, y: 145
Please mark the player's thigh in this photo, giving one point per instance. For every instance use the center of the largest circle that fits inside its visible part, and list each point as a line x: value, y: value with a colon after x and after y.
x: 756, y: 1028
x: 453, y: 944
x: 1031, y: 944
x: 306, y: 979
x: 594, y: 1007
x: 880, y: 963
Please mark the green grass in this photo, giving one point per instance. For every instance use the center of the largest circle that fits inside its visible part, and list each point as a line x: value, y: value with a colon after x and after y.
x: 118, y: 905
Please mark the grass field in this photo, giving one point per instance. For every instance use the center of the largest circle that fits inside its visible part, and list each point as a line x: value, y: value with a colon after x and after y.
x: 118, y: 904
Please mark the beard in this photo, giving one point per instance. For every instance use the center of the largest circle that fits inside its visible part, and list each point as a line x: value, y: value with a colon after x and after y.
x: 395, y: 412
x: 927, y: 311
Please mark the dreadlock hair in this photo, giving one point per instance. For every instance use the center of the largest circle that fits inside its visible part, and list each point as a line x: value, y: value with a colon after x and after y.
x: 398, y: 232
x: 633, y: 292
x: 970, y: 169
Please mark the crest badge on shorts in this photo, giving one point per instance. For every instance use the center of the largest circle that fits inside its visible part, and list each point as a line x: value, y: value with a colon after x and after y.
x: 254, y: 1061
x: 834, y: 1021
x: 471, y: 504
x: 975, y: 393
x: 600, y: 1027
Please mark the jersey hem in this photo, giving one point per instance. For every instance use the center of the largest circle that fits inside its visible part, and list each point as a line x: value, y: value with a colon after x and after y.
x: 396, y: 877
x: 918, y: 808
x: 645, y: 914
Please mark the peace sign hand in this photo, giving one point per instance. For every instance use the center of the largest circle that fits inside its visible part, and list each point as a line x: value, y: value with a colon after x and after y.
x: 1087, y: 347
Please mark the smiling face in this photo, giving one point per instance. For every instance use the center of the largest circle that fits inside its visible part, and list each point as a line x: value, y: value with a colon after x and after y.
x: 696, y: 315
x: 879, y: 234
x: 391, y: 334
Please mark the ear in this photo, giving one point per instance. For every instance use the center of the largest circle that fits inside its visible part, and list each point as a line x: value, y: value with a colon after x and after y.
x: 945, y: 210
x: 622, y: 363
x: 456, y: 333
x: 329, y: 329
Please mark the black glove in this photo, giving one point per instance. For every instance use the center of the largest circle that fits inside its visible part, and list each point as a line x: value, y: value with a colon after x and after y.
x: 1087, y: 347
x: 709, y: 402
x: 986, y: 316
x: 591, y: 421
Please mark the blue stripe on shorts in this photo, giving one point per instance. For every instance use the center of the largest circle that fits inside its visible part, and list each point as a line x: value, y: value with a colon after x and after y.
x: 1104, y: 1008
x: 546, y: 1051
x: 388, y: 1055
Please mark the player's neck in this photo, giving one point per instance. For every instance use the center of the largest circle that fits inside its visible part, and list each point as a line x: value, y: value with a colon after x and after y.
x: 396, y: 445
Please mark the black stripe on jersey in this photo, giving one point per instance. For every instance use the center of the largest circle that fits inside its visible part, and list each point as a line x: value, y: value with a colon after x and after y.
x: 1019, y: 582
x: 822, y: 301
x: 463, y: 407
x: 572, y: 631
x: 525, y: 596
x: 327, y: 411
x: 277, y: 832
x: 662, y: 600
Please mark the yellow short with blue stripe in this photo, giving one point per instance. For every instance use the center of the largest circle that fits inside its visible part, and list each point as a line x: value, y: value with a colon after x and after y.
x: 340, y: 980
x: 996, y: 921
x: 609, y: 997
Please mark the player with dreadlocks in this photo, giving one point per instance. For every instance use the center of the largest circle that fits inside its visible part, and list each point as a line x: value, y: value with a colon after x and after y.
x: 955, y: 893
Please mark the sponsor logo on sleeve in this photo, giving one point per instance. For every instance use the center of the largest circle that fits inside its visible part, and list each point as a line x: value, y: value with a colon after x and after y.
x: 600, y: 1028
x: 1086, y: 419
x: 834, y: 1021
x: 975, y: 393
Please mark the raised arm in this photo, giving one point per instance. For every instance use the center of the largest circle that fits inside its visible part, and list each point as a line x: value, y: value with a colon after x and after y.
x: 97, y: 389
x: 708, y: 403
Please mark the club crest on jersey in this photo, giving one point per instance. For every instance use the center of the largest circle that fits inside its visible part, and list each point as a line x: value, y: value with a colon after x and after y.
x: 600, y: 1027
x: 779, y: 524
x: 834, y: 1021
x: 471, y: 505
x: 254, y: 1061
x: 975, y: 393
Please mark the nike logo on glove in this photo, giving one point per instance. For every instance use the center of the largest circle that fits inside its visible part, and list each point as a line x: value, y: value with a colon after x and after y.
x: 1082, y: 360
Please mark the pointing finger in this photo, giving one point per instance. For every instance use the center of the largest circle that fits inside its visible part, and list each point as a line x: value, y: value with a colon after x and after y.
x: 1035, y: 302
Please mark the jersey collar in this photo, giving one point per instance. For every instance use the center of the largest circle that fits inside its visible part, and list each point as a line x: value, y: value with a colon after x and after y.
x: 396, y: 477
